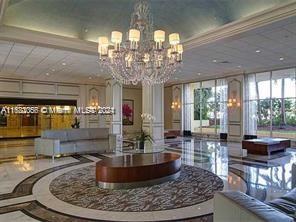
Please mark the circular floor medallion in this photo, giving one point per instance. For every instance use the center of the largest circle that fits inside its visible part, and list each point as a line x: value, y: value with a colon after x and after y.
x: 193, y: 186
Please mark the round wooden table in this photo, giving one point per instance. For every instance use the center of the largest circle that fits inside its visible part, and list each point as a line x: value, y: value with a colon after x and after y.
x: 137, y: 170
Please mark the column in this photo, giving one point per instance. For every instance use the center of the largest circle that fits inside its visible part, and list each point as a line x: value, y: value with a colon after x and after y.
x: 114, y: 99
x: 152, y: 99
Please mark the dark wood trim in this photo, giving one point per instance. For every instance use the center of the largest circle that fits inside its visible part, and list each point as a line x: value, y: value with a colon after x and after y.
x: 137, y: 168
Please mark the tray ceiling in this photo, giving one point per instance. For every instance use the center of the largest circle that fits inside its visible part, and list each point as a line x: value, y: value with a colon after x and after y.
x: 88, y: 19
x: 275, y: 41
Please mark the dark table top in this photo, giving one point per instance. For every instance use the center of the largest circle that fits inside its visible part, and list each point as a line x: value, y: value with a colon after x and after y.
x: 267, y: 140
x: 136, y: 160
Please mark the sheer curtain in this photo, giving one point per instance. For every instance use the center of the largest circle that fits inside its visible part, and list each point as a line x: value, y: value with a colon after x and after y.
x: 250, y: 113
x: 188, y: 99
x: 222, y: 96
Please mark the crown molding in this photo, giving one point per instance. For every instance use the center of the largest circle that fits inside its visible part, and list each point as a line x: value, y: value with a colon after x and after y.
x: 233, y: 74
x: 9, y: 33
x: 73, y: 83
x: 20, y: 35
x: 246, y: 24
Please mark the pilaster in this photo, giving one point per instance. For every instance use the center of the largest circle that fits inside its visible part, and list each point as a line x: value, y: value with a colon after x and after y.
x: 235, y: 114
x: 177, y: 109
x: 114, y: 99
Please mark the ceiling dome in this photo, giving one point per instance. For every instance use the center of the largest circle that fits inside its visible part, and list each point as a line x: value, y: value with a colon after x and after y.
x: 88, y: 19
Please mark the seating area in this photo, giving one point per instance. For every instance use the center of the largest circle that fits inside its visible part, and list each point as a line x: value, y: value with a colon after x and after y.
x: 237, y: 206
x: 59, y: 142
x: 147, y: 110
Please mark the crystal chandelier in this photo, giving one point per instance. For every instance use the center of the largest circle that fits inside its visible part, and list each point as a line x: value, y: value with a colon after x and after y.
x: 144, y: 57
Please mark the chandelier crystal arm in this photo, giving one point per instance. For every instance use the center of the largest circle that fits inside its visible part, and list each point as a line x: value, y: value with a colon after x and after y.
x: 143, y: 57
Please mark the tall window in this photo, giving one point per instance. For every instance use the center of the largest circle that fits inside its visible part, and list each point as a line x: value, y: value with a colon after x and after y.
x: 270, y: 104
x: 205, y: 106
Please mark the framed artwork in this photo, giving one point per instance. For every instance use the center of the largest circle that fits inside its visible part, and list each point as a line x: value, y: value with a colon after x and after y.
x: 127, y: 112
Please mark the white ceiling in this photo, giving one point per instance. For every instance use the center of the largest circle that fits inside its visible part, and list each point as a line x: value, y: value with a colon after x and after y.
x: 274, y: 41
x: 39, y: 63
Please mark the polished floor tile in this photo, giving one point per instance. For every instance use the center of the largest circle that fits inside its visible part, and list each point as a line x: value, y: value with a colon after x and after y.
x: 24, y: 187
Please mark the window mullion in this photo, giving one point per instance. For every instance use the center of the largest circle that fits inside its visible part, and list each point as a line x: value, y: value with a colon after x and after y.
x: 271, y: 103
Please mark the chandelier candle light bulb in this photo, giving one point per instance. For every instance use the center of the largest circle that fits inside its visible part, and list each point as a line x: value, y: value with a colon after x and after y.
x: 128, y: 60
x: 111, y: 54
x: 103, y: 46
x: 146, y: 58
x: 116, y: 38
x: 159, y: 38
x: 174, y: 40
x: 134, y: 38
x: 180, y: 52
x: 143, y: 57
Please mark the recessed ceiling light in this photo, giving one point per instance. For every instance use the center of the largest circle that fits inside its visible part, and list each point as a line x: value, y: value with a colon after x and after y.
x: 282, y: 59
x: 53, y: 70
x: 199, y: 73
x: 258, y: 51
x: 239, y: 67
x: 47, y: 74
x: 64, y: 63
x: 215, y: 60
x: 90, y: 77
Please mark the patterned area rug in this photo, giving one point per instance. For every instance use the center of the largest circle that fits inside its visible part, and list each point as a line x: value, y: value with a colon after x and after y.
x: 193, y: 186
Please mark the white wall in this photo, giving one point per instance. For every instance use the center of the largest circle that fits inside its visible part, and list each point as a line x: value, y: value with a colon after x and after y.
x: 83, y: 94
x: 134, y: 94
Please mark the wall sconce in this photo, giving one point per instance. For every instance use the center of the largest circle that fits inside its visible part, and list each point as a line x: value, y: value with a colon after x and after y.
x: 233, y: 103
x: 20, y: 159
x: 176, y: 105
x: 93, y: 103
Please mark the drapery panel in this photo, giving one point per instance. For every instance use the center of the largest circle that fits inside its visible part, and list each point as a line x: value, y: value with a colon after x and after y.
x: 250, y: 105
x: 194, y: 104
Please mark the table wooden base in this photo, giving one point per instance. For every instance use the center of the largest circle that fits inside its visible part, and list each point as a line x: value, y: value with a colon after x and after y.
x: 137, y: 170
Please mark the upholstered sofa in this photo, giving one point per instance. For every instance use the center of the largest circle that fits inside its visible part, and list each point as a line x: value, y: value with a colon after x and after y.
x: 69, y: 141
x: 239, y: 207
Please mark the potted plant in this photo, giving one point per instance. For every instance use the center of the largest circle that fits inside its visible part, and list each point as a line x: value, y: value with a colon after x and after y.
x: 76, y: 124
x: 142, y: 138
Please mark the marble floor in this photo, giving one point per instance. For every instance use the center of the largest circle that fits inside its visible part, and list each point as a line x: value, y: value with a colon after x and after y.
x: 25, y: 193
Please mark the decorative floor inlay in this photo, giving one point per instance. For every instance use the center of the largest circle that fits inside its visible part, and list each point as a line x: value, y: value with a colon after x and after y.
x: 194, y: 185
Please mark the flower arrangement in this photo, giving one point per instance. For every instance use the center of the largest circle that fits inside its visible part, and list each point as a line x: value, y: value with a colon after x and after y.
x: 147, y: 116
x: 76, y: 124
x: 142, y: 138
